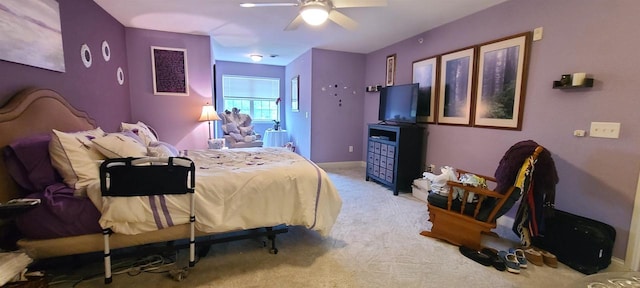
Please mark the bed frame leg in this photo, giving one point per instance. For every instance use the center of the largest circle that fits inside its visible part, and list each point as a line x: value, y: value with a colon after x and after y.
x: 272, y: 237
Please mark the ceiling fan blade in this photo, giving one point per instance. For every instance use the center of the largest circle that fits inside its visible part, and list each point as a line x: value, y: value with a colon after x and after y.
x: 294, y: 23
x: 358, y: 3
x: 272, y: 4
x: 342, y: 20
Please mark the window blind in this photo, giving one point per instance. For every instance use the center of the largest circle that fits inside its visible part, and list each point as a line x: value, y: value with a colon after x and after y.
x: 250, y: 87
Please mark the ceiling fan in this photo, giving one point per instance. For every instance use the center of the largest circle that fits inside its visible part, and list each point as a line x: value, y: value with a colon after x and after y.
x: 316, y: 12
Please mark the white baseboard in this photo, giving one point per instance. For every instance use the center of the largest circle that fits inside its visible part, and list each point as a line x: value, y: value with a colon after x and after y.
x: 345, y: 164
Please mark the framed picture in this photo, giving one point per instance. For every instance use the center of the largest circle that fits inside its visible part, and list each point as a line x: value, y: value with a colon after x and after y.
x: 454, y: 91
x: 502, y: 74
x: 170, y: 75
x: 391, y: 70
x: 425, y: 74
x: 295, y: 93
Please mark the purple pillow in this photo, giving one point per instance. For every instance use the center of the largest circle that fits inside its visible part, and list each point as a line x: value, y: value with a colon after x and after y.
x: 28, y: 162
x: 59, y: 214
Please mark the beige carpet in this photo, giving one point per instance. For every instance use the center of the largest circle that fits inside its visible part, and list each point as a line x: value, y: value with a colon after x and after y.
x: 375, y: 243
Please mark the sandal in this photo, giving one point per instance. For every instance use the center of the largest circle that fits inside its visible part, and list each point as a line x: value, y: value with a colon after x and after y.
x: 548, y: 257
x: 511, y: 261
x: 534, y: 256
x: 522, y: 259
x: 496, y: 261
x: 475, y: 255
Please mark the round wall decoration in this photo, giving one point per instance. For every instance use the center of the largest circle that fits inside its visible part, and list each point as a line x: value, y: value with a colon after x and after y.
x: 85, y: 53
x: 120, y: 75
x: 106, y: 51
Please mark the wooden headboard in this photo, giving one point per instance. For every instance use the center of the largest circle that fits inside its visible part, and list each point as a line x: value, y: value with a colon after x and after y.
x: 34, y: 111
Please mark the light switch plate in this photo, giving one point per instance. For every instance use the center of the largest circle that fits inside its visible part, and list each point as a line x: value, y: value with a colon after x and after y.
x: 537, y: 34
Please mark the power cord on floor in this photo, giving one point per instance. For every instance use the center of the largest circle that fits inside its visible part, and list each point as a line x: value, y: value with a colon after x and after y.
x: 150, y: 264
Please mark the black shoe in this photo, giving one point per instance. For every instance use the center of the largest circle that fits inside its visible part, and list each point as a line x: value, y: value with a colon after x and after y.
x: 476, y: 256
x: 496, y: 261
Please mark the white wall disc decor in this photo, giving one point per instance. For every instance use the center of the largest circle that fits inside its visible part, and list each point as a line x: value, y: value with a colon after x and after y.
x: 106, y: 51
x: 85, y: 53
x: 120, y: 75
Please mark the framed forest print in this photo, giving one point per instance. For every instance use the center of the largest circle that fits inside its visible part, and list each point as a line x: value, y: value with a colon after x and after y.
x: 454, y: 91
x: 500, y: 90
x: 424, y: 73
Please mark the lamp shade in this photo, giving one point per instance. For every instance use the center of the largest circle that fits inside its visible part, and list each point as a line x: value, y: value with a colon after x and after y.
x: 314, y: 13
x: 208, y: 114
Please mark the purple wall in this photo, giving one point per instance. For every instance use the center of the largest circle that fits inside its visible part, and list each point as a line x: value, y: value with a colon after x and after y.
x: 95, y: 89
x: 337, y: 91
x: 299, y: 123
x: 174, y: 117
x: 256, y: 70
x: 598, y: 176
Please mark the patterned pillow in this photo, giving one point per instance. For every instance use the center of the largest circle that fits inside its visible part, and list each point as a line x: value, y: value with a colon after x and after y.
x: 237, y: 136
x: 162, y: 149
x: 142, y: 130
x: 246, y: 130
x: 75, y: 157
x: 231, y: 128
x: 116, y: 145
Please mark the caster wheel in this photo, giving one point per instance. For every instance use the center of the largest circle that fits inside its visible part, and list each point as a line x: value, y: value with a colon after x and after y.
x: 273, y: 251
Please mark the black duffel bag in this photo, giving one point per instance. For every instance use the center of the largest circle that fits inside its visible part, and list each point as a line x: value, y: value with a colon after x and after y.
x: 581, y: 243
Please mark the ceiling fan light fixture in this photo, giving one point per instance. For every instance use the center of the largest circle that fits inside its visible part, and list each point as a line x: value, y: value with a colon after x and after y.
x: 314, y: 13
x: 247, y: 5
x: 255, y: 57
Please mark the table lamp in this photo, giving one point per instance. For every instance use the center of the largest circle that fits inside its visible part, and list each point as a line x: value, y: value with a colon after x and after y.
x: 209, y: 114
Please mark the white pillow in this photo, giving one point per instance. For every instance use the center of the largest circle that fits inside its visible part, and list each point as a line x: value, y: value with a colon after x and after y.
x: 162, y: 149
x: 140, y: 129
x: 116, y: 145
x: 75, y: 157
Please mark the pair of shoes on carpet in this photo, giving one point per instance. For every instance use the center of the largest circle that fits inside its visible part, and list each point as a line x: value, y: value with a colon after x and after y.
x: 547, y: 257
x: 511, y: 261
x: 475, y: 255
x: 496, y: 260
x: 486, y: 257
x: 520, y: 256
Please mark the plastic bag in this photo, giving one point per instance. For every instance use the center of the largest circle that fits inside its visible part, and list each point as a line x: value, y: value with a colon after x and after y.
x: 439, y: 182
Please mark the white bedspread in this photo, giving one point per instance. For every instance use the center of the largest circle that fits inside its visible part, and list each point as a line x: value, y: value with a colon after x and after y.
x: 236, y: 189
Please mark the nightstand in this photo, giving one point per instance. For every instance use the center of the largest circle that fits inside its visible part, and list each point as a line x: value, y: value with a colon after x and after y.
x: 8, y: 229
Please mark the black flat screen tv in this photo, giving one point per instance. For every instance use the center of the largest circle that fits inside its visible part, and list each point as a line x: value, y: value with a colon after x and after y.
x: 399, y: 103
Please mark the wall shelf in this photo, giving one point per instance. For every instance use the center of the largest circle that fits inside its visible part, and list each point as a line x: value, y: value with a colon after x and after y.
x: 588, y: 83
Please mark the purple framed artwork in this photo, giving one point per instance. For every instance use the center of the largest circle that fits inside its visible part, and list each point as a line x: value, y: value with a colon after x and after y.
x: 170, y: 75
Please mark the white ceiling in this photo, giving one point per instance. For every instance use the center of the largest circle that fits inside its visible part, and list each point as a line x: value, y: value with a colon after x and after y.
x: 238, y: 32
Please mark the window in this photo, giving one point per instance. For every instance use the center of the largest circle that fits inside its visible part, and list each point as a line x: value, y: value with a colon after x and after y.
x: 255, y: 96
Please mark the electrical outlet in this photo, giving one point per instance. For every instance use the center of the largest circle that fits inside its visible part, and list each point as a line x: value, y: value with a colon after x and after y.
x: 350, y: 148
x: 578, y: 133
x: 605, y: 129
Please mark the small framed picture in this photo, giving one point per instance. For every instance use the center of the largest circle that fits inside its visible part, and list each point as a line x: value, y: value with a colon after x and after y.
x: 170, y: 75
x: 295, y: 93
x: 391, y: 70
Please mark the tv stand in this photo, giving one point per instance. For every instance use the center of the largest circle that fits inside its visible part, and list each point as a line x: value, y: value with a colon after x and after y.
x: 394, y: 155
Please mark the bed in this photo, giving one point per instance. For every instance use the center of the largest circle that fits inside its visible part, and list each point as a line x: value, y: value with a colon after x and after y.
x: 236, y: 189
